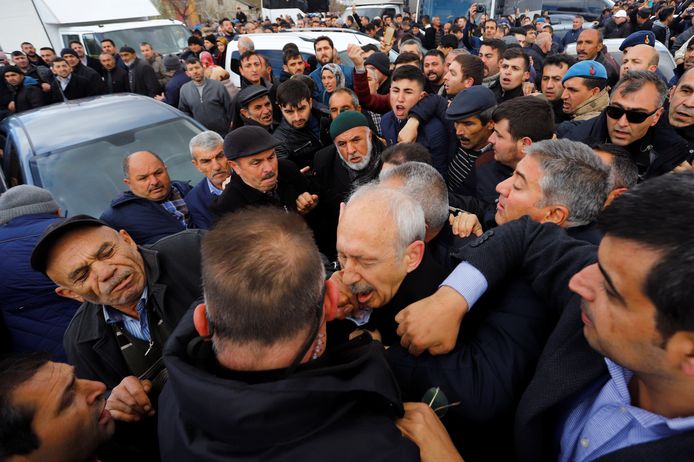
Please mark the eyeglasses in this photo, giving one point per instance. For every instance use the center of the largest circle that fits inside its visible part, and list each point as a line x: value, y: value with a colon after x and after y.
x: 635, y: 117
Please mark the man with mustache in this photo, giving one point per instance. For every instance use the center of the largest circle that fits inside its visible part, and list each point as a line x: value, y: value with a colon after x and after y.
x: 132, y: 298
x: 590, y: 47
x: 261, y: 178
x: 207, y: 150
x: 383, y: 261
x: 154, y: 206
x: 354, y: 158
x: 681, y: 111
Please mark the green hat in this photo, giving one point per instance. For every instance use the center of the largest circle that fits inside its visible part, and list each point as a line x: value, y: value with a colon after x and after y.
x: 347, y: 120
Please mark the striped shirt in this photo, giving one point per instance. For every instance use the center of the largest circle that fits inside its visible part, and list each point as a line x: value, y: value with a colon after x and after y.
x: 138, y: 328
x: 603, y: 420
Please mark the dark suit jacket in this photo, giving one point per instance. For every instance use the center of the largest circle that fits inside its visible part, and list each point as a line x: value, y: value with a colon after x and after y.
x: 119, y: 81
x: 143, y: 80
x: 548, y: 258
x: 78, y: 87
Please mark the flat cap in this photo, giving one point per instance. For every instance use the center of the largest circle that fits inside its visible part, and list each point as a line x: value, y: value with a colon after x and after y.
x: 642, y: 37
x: 588, y: 69
x: 12, y: 68
x: 126, y: 49
x: 470, y: 102
x: 248, y: 140
x: 172, y: 63
x: 68, y: 51
x: 250, y: 93
x: 54, y: 232
x: 346, y: 121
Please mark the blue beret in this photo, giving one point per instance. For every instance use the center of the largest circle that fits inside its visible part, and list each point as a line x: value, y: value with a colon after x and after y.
x: 470, y: 102
x: 642, y: 37
x: 588, y: 69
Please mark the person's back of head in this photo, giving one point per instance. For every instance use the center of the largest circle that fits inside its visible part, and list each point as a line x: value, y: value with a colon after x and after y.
x: 264, y: 286
x: 400, y: 153
x: 522, y: 114
x: 426, y: 186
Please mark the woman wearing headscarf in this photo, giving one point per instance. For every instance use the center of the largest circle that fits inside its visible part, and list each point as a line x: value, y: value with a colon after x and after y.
x: 332, y: 78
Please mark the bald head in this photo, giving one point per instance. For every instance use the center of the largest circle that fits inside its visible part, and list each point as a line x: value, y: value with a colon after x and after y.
x: 146, y: 176
x: 639, y: 58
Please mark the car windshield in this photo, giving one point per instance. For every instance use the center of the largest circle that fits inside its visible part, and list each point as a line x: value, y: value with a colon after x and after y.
x: 96, y: 166
x: 166, y: 40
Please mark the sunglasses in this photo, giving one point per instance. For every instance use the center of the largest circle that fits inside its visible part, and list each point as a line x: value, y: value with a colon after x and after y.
x: 635, y: 117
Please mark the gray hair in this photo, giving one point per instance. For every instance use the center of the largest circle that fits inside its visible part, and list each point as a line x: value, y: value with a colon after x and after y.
x: 633, y: 81
x: 424, y: 184
x: 205, y: 141
x: 407, y: 215
x: 414, y: 41
x: 246, y: 43
x: 572, y: 175
x: 350, y: 92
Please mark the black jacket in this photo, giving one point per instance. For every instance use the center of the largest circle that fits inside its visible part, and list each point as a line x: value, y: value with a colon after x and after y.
x: 301, y: 145
x: 340, y: 407
x: 657, y: 153
x: 548, y: 258
x: 238, y: 195
x: 77, y: 87
x: 118, y: 80
x: 172, y: 266
x: 96, y: 86
x: 333, y: 182
x: 142, y: 78
x: 27, y: 97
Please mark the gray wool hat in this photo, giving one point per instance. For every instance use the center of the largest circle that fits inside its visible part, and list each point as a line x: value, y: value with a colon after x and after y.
x: 25, y: 200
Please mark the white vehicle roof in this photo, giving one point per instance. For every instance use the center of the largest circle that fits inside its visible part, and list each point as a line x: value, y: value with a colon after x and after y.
x: 123, y: 25
x: 90, y: 11
x: 303, y: 38
x: 666, y: 64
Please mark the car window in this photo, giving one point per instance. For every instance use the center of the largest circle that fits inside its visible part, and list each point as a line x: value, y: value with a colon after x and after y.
x: 10, y: 163
x: 92, y: 45
x: 96, y: 166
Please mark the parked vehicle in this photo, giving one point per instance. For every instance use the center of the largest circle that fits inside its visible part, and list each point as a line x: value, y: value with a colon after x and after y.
x: 270, y: 46
x: 373, y: 8
x: 666, y: 64
x: 55, y: 23
x: 76, y: 149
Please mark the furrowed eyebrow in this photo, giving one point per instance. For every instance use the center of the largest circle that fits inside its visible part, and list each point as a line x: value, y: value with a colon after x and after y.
x: 608, y: 279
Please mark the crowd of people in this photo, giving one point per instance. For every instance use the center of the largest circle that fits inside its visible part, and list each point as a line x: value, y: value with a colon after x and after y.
x: 482, y: 250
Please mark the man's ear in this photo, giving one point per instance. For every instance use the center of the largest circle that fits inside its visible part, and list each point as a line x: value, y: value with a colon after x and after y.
x: 658, y: 113
x: 595, y: 91
x: 614, y: 194
x: 126, y: 181
x: 235, y: 166
x: 127, y: 238
x: 200, y: 321
x: 244, y: 112
x: 468, y: 82
x: 413, y: 255
x: 680, y: 347
x: 422, y: 95
x: 557, y: 214
x: 330, y: 300
x: 67, y: 293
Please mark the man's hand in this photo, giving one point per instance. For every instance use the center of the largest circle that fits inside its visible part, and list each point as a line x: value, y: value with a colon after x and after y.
x: 46, y: 87
x: 432, y: 323
x: 160, y: 97
x: 386, y: 47
x: 346, y: 301
x: 306, y: 202
x: 421, y: 424
x: 129, y: 401
x: 11, y: 106
x: 356, y: 54
x: 465, y: 224
x: 683, y: 167
x: 408, y: 134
